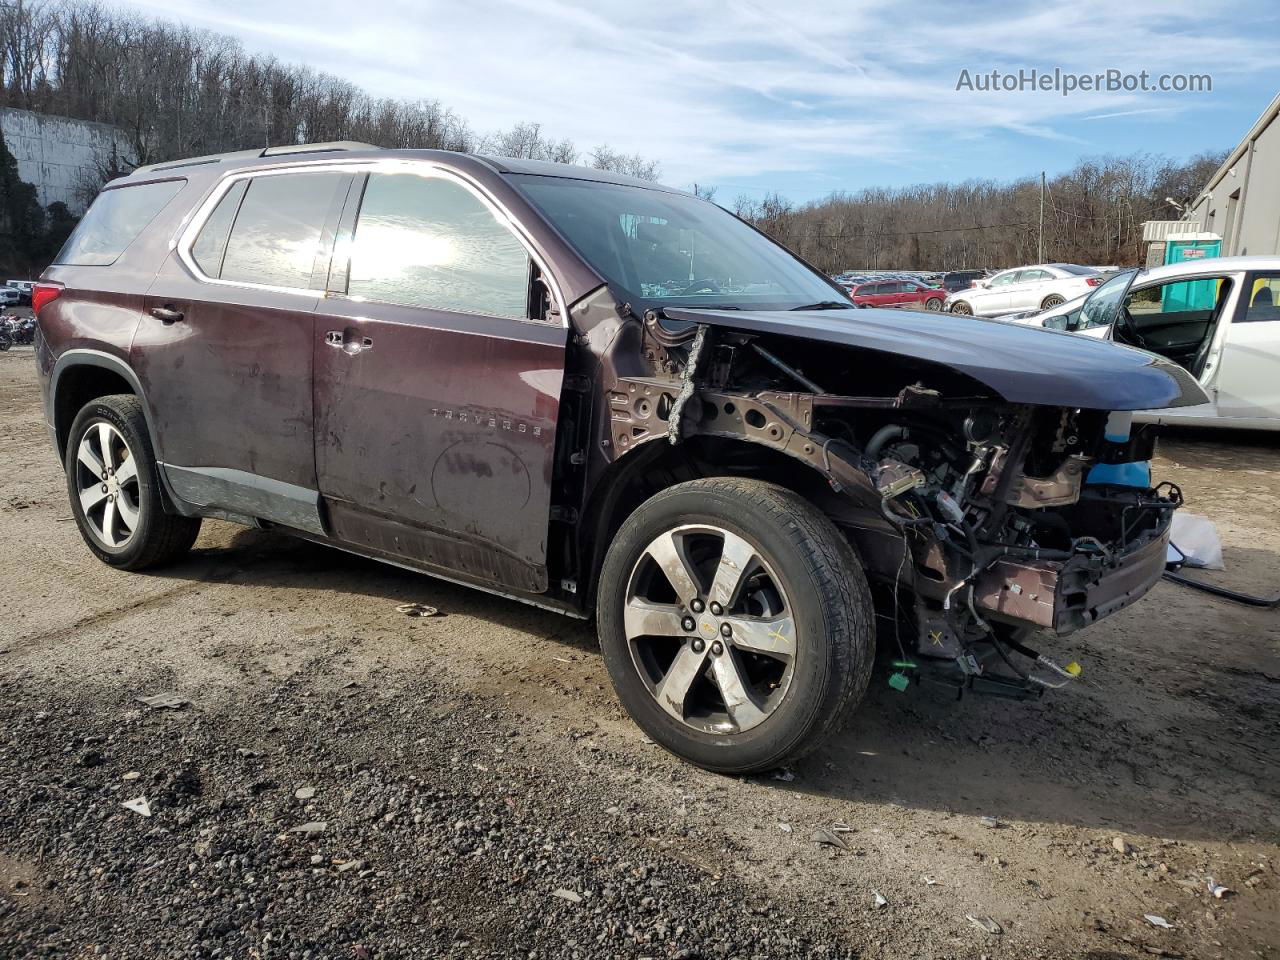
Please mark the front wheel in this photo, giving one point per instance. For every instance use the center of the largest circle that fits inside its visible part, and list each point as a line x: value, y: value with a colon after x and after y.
x: 736, y: 623
x: 114, y: 487
x: 933, y: 303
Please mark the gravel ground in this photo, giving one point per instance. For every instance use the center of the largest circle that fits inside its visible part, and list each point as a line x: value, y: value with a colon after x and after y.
x: 343, y: 781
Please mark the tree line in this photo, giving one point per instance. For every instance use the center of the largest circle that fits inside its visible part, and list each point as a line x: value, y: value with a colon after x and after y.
x: 1092, y: 214
x: 180, y: 92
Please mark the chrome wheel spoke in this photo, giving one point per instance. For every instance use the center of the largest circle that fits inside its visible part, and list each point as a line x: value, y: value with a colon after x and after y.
x: 667, y: 553
x: 105, y: 435
x: 127, y: 470
x: 673, y: 692
x: 109, y: 524
x: 128, y: 514
x: 736, y: 560
x: 743, y: 710
x: 90, y: 497
x: 89, y: 459
x: 644, y: 619
x: 774, y: 637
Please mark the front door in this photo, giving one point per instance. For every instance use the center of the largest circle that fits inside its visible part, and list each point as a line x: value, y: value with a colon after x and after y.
x: 225, y: 345
x: 437, y: 386
x: 1249, y: 377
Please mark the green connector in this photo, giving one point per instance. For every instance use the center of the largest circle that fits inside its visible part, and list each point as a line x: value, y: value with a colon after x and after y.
x: 899, y: 681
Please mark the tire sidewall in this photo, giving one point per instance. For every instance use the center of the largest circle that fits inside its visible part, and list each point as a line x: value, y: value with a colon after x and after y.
x: 150, y: 506
x: 1051, y: 301
x: 813, y: 691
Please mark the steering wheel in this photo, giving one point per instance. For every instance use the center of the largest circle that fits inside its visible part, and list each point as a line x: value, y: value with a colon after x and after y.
x: 701, y: 286
x: 1131, y: 329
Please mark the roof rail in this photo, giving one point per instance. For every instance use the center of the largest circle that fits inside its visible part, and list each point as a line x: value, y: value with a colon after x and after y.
x: 280, y: 151
x: 317, y: 147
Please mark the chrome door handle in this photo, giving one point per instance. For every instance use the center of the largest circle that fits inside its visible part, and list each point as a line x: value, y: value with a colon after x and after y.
x: 166, y: 314
x: 336, y: 338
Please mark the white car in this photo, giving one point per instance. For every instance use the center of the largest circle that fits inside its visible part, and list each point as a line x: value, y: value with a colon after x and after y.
x: 9, y: 296
x: 1024, y: 288
x: 1217, y: 318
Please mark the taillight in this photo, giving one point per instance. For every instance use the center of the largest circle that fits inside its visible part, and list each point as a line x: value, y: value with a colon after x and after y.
x: 1093, y: 281
x: 44, y: 293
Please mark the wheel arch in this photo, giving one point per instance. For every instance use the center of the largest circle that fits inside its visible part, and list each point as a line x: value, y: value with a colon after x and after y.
x: 649, y: 468
x: 80, y: 376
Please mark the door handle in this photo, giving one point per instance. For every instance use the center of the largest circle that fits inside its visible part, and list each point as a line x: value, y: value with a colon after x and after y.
x: 166, y: 314
x: 354, y: 345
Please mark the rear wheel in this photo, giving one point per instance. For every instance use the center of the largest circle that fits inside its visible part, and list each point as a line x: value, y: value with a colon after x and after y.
x: 114, y: 487
x: 1051, y: 301
x: 962, y: 308
x: 735, y: 622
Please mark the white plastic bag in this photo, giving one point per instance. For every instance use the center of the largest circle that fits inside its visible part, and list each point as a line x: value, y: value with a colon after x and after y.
x: 1196, y: 538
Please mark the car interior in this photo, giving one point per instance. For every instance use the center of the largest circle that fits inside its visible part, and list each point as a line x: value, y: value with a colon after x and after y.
x: 1176, y: 320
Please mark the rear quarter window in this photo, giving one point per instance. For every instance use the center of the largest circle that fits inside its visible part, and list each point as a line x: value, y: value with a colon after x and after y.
x: 114, y: 221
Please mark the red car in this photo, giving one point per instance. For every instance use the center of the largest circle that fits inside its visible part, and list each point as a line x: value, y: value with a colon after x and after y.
x: 907, y: 294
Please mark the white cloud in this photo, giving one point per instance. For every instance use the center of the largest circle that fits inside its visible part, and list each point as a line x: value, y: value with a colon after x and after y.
x: 747, y: 88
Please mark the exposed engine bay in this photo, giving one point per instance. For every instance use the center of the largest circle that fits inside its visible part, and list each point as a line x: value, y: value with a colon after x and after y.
x: 980, y: 520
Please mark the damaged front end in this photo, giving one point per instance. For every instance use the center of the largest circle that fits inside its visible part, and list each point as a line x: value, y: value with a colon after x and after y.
x: 980, y: 518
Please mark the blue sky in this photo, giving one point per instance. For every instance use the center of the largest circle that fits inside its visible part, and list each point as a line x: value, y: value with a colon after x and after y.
x: 799, y: 97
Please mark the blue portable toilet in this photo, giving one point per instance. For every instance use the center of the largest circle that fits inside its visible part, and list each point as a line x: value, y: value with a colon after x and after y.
x: 1193, y: 295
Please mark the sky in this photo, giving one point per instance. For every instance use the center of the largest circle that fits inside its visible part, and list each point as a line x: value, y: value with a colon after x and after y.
x: 802, y: 98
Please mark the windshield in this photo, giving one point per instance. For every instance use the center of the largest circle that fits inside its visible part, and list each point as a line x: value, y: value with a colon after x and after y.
x: 1104, y: 304
x: 670, y: 249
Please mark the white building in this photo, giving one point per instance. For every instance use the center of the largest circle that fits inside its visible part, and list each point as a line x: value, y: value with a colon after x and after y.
x: 1241, y: 201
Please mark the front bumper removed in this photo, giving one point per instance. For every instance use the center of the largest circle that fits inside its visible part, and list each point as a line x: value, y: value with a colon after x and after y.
x: 1066, y: 595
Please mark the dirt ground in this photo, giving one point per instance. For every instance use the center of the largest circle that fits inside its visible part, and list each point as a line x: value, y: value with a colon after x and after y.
x: 473, y: 772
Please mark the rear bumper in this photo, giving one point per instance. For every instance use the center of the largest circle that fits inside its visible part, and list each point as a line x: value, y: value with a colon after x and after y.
x: 1064, y: 596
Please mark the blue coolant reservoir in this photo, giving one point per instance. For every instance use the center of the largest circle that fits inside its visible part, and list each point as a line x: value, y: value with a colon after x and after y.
x: 1135, y: 474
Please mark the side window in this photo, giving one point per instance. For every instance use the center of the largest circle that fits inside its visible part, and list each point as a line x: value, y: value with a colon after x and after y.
x: 1029, y: 275
x: 1004, y: 278
x: 114, y: 221
x: 211, y: 244
x: 429, y: 242
x: 278, y: 233
x: 1181, y: 300
x: 1264, y: 300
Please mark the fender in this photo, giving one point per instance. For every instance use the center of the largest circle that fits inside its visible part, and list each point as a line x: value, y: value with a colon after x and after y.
x: 84, y: 357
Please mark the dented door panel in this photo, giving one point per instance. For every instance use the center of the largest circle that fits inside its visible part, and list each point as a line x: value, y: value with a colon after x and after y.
x: 435, y: 435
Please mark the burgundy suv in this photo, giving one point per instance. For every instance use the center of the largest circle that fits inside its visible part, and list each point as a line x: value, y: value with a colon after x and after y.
x: 607, y: 398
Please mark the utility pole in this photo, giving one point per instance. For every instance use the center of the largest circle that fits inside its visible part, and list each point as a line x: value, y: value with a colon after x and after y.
x: 1040, y: 243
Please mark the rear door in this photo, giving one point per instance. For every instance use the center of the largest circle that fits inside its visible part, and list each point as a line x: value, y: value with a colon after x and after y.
x: 224, y: 348
x: 1027, y: 289
x: 437, y: 384
x: 1249, y: 377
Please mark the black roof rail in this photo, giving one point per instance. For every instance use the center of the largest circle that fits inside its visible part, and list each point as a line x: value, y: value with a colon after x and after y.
x: 280, y: 151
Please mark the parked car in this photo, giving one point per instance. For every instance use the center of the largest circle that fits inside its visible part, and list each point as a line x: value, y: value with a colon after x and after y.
x: 603, y: 397
x: 962, y: 279
x: 911, y: 294
x: 9, y: 296
x: 24, y: 288
x: 1216, y: 318
x: 1024, y: 288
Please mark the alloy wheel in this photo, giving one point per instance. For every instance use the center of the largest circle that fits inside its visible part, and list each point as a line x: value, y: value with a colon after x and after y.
x: 710, y: 629
x: 107, y: 484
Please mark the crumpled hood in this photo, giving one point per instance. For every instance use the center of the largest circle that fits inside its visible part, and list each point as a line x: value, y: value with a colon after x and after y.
x: 1022, y: 364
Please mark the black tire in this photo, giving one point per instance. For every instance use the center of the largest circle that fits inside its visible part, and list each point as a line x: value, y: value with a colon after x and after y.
x: 159, y: 537
x: 829, y: 603
x: 1051, y: 301
x: 961, y: 308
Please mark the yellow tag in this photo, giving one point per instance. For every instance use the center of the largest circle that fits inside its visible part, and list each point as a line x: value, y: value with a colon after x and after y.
x: 1074, y: 668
